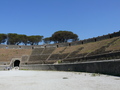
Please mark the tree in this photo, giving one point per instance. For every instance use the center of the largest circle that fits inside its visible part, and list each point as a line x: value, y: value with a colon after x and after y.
x: 38, y: 39
x: 63, y: 36
x: 16, y: 39
x: 34, y: 40
x: 75, y: 37
x: 24, y: 39
x: 12, y: 39
x: 3, y: 38
x: 47, y: 40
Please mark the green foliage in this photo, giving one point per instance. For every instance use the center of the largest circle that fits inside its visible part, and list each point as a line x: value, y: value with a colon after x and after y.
x: 65, y: 77
x: 12, y: 39
x: 3, y: 38
x: 34, y: 40
x: 47, y: 40
x: 23, y: 39
x: 64, y: 36
x: 16, y: 39
x: 59, y: 61
x: 57, y: 37
x: 95, y: 74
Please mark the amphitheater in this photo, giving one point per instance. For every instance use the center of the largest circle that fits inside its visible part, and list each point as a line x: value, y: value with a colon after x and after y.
x: 99, y: 55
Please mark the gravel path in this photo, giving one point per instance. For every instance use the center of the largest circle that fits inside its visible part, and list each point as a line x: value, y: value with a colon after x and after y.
x: 54, y: 80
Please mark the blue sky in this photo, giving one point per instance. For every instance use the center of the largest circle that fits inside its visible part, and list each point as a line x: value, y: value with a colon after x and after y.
x: 86, y: 18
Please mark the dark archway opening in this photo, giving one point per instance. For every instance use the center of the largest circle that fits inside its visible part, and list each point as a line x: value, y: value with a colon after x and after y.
x: 57, y: 46
x: 82, y: 42
x: 16, y: 63
x: 95, y: 39
x: 32, y: 47
x: 69, y: 44
x: 110, y: 36
x: 45, y: 46
x: 19, y: 47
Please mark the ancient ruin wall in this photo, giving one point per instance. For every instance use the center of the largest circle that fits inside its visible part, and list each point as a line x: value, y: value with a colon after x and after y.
x: 111, y: 67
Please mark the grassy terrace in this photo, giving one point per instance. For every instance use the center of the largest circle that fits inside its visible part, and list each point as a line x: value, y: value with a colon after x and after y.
x: 59, y: 50
x: 90, y: 47
x: 114, y: 46
x: 8, y: 54
x: 97, y: 47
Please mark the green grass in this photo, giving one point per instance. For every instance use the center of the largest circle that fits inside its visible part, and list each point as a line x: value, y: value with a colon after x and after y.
x: 65, y: 77
x: 95, y: 74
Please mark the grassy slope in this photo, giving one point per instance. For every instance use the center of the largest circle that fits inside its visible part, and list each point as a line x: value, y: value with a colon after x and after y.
x: 114, y: 46
x: 8, y: 54
x: 90, y: 47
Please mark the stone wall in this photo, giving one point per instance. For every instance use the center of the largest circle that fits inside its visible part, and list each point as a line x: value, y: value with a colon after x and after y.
x: 111, y: 67
x: 105, y: 56
x: 3, y: 67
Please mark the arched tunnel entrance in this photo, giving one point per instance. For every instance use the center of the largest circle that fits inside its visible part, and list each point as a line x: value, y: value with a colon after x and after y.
x: 16, y: 63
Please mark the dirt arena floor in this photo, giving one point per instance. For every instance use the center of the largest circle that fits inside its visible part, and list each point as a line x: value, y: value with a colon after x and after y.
x: 54, y: 80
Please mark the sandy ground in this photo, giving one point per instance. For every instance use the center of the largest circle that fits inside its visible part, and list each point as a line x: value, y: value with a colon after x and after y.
x: 54, y: 80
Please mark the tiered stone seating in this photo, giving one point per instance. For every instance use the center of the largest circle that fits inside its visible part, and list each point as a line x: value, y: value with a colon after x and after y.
x: 48, y: 50
x: 101, y: 46
x: 85, y: 50
x: 25, y: 58
x: 7, y: 54
x: 58, y: 54
x: 115, y: 46
x: 96, y: 50
x: 40, y: 57
x: 92, y: 48
x: 37, y: 51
